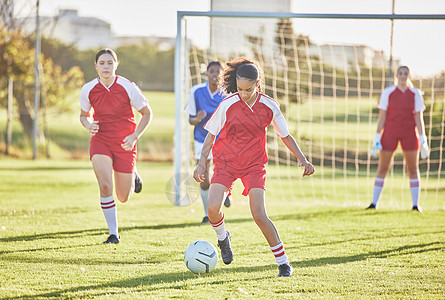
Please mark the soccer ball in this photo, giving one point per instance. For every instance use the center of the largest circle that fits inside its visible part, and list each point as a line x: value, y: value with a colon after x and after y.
x: 200, y: 257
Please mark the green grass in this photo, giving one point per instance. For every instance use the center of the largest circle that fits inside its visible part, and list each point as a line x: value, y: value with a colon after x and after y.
x: 68, y: 138
x: 52, y: 228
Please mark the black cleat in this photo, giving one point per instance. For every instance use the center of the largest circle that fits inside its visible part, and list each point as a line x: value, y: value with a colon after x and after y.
x: 137, y: 182
x: 226, y: 252
x: 372, y: 206
x: 227, y: 202
x: 205, y: 220
x: 112, y: 239
x: 285, y: 270
x: 417, y: 208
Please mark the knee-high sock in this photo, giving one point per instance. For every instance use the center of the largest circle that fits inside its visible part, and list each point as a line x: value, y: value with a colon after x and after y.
x: 110, y: 213
x: 204, y: 196
x: 415, y: 190
x: 280, y: 254
x: 378, y: 186
x: 220, y: 229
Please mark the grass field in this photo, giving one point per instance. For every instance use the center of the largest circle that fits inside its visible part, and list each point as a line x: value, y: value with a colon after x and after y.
x: 52, y: 228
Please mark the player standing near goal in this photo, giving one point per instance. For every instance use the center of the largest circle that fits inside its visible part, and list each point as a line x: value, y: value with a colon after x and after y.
x: 241, y: 120
x: 203, y: 101
x: 401, y: 112
x: 114, y: 134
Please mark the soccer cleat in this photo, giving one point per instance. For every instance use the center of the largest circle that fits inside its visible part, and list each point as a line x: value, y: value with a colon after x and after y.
x: 227, y: 202
x: 226, y: 252
x: 372, y: 206
x: 417, y: 208
x: 112, y: 239
x: 205, y: 220
x: 285, y: 270
x: 137, y: 183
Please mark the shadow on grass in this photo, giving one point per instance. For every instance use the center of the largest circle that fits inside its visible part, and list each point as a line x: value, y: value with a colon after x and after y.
x: 180, y: 280
x: 93, y: 232
x: 145, y: 283
x: 403, y: 250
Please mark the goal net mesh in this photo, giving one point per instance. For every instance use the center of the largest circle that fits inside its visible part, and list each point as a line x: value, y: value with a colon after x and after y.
x: 328, y: 93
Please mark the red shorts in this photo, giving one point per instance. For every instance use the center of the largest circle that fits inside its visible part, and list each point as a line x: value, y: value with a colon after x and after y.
x: 408, y: 140
x: 253, y: 177
x: 123, y: 161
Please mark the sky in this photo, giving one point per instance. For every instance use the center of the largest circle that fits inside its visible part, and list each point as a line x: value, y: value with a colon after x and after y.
x: 419, y: 44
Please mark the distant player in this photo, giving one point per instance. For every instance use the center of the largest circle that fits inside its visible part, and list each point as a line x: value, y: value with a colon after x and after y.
x: 241, y: 120
x: 114, y: 134
x: 401, y: 120
x: 203, y: 101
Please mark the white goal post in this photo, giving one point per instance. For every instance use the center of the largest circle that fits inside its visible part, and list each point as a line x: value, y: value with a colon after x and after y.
x: 335, y: 157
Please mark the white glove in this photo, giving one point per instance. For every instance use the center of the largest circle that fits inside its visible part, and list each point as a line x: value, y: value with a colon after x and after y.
x: 376, y: 145
x: 424, y: 149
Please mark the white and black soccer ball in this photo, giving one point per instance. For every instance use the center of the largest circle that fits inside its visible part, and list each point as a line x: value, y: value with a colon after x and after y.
x: 201, y: 257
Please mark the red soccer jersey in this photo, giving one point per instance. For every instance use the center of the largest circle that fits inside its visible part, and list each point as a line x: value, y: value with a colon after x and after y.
x: 112, y: 106
x: 400, y: 107
x: 242, y: 131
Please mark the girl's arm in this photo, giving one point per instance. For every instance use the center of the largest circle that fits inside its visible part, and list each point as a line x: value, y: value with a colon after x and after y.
x: 130, y: 141
x: 199, y: 173
x: 292, y: 145
x: 418, y: 119
x: 93, y: 127
x: 193, y: 120
x: 381, y: 121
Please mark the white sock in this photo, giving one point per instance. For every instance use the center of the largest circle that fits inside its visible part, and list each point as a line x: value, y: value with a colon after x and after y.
x: 220, y: 229
x: 110, y: 213
x: 280, y: 255
x: 378, y: 187
x: 415, y: 190
x: 204, y: 196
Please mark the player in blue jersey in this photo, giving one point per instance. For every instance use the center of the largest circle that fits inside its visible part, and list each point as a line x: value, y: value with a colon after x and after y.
x: 203, y: 101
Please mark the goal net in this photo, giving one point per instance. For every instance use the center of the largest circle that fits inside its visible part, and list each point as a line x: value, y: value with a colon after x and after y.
x: 328, y: 92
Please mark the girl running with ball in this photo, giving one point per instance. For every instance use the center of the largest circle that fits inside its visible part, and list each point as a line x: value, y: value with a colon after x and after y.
x: 241, y: 120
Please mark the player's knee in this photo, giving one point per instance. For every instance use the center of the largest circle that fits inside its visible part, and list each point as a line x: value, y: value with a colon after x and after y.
x: 123, y: 195
x: 213, y: 209
x: 412, y: 171
x: 205, y: 185
x: 260, y: 218
x: 106, y: 188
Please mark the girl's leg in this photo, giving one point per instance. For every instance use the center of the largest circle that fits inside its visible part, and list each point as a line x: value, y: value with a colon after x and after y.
x: 103, y: 168
x: 124, y: 183
x: 412, y: 167
x: 204, y: 191
x: 258, y: 210
x: 217, y: 193
x: 385, y: 159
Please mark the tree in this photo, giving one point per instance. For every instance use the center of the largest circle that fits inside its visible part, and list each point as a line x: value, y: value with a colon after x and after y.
x: 17, y: 62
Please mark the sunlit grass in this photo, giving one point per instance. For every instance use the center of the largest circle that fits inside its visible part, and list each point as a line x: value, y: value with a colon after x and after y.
x: 52, y: 228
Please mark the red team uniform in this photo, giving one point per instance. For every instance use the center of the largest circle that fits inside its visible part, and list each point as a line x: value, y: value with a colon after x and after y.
x: 113, y: 109
x: 400, y: 126
x: 240, y: 150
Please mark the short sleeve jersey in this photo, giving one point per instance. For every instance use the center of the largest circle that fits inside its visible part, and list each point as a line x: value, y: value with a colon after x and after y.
x: 400, y: 107
x: 201, y: 98
x: 242, y: 130
x: 112, y: 106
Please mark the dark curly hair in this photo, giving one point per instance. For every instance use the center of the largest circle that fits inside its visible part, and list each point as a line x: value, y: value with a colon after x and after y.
x: 228, y: 74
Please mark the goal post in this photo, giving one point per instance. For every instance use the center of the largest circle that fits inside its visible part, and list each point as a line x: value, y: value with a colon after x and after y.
x: 328, y: 94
